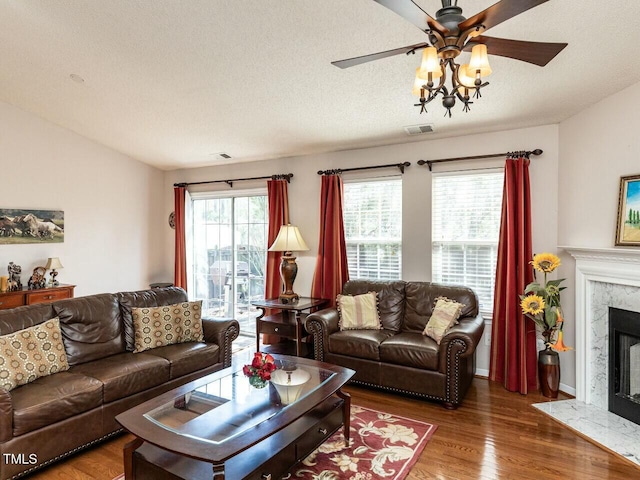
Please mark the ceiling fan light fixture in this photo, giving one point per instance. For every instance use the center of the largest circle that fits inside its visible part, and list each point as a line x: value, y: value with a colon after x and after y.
x: 431, y: 62
x: 479, y: 60
x: 418, y: 84
x: 466, y: 76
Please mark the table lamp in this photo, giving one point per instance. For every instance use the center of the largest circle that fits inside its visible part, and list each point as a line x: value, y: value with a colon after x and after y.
x: 52, y: 264
x: 288, y: 240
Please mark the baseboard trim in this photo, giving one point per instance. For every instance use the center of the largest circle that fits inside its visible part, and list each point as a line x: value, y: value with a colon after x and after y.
x: 483, y: 373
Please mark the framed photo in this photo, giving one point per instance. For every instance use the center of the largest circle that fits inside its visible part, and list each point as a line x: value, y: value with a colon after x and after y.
x: 28, y: 225
x: 628, y: 229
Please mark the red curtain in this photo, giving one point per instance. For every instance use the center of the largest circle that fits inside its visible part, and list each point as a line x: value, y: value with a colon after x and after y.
x: 278, y: 200
x: 513, y: 336
x: 180, y: 270
x: 331, y: 270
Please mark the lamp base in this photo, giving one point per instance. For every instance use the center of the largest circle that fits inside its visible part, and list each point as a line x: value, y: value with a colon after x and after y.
x: 288, y: 298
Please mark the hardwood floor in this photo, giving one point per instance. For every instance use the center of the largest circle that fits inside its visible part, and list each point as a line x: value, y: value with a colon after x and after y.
x: 493, y: 435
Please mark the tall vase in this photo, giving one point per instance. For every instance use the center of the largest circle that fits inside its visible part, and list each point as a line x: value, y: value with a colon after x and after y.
x: 549, y: 372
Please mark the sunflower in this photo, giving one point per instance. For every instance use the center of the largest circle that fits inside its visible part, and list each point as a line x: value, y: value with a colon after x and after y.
x: 545, y: 262
x: 532, y: 304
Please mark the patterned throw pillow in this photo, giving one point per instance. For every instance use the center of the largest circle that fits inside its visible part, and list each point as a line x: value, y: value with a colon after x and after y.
x: 31, y: 353
x: 159, y: 326
x: 445, y: 315
x: 359, y: 312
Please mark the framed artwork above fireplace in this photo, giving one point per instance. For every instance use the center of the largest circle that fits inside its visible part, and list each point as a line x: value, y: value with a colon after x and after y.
x: 628, y: 228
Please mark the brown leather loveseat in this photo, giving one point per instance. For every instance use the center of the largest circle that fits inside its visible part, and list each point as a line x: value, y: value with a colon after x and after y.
x: 58, y: 414
x: 399, y: 357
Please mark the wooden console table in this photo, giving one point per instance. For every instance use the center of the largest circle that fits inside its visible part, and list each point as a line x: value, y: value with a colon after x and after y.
x: 40, y: 295
x: 287, y: 323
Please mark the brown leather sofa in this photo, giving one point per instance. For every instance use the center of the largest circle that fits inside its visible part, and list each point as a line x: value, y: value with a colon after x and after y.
x: 57, y: 415
x: 398, y: 357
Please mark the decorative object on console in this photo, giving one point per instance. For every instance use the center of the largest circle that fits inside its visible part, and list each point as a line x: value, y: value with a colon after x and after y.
x: 449, y: 35
x: 4, y: 283
x: 628, y: 228
x: 289, y: 240
x: 541, y: 303
x: 52, y: 264
x: 31, y: 226
x: 289, y: 382
x: 37, y: 279
x: 259, y: 371
x: 14, y: 284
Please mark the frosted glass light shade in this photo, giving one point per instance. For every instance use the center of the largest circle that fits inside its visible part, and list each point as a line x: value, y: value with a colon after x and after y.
x: 418, y: 83
x: 466, y: 76
x: 480, y: 60
x: 289, y: 384
x: 289, y: 239
x: 430, y: 63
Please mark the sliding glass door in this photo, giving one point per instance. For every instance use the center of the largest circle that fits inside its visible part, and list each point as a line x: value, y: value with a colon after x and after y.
x: 229, y: 255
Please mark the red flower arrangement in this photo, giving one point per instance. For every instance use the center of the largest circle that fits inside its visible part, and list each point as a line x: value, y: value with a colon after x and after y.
x: 261, y: 367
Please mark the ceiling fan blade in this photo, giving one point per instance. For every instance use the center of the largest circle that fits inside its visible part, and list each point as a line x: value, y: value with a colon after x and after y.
x: 350, y: 62
x: 498, y: 13
x: 414, y: 14
x: 538, y: 53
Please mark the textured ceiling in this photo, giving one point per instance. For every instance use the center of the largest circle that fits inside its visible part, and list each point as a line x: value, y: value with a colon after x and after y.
x: 171, y: 82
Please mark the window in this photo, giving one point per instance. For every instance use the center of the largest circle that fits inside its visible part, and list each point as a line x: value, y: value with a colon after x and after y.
x: 465, y: 229
x: 373, y: 228
x: 229, y: 255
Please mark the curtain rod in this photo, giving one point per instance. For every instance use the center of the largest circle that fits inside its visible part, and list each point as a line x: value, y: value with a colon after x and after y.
x: 334, y: 171
x: 283, y: 176
x: 519, y: 153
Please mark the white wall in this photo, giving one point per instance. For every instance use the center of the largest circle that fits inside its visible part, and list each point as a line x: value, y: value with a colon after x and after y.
x: 597, y: 147
x: 304, y: 192
x: 113, y: 205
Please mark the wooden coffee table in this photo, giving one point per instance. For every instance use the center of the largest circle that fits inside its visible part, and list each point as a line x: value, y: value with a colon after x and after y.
x: 221, y: 427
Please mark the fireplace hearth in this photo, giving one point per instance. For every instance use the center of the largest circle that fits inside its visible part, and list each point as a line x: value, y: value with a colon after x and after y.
x: 624, y: 363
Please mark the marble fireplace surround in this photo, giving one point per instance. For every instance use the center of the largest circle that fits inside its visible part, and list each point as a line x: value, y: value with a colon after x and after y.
x: 604, y: 277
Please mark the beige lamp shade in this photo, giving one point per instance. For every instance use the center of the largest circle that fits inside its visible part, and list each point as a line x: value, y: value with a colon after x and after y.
x: 480, y: 60
x: 430, y: 63
x: 466, y: 76
x: 53, y: 263
x: 289, y: 239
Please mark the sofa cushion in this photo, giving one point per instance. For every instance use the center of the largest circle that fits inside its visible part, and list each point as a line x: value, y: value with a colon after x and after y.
x: 29, y: 354
x: 391, y: 299
x: 410, y: 349
x: 358, y: 343
x: 358, y: 312
x: 126, y: 373
x: 422, y: 296
x: 91, y: 327
x: 188, y: 357
x: 155, y: 297
x: 445, y: 315
x: 51, y: 399
x: 160, y: 326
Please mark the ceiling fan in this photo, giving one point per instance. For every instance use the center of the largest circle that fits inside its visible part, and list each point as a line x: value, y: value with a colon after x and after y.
x: 449, y: 34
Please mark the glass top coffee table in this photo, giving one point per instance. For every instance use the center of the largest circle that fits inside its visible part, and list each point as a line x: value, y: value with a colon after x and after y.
x: 222, y: 419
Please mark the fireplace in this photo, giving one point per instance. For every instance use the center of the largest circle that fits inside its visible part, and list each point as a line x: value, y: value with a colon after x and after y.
x: 624, y: 363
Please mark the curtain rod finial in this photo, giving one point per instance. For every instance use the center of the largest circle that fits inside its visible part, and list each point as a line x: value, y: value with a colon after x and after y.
x: 537, y: 151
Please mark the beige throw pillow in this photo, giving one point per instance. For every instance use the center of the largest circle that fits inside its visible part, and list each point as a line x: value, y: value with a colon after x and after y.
x: 445, y: 314
x: 160, y: 326
x: 31, y: 353
x: 359, y: 312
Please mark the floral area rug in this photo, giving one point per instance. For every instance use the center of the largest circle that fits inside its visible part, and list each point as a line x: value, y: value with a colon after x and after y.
x: 383, y: 446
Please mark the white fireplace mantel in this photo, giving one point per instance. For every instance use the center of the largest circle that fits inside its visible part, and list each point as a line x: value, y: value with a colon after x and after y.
x: 619, y: 266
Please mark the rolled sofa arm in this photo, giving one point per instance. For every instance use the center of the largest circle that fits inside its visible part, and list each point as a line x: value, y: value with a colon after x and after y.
x: 6, y: 416
x: 321, y: 324
x: 222, y: 332
x: 462, y: 339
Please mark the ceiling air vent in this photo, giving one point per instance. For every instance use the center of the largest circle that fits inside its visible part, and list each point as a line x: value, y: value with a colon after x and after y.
x: 221, y: 156
x: 418, y: 129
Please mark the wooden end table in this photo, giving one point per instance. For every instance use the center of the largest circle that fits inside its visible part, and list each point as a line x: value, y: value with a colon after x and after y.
x: 287, y: 323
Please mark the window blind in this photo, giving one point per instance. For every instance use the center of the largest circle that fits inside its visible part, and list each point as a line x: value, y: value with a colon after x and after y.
x: 465, y: 228
x: 373, y: 228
